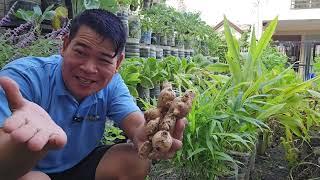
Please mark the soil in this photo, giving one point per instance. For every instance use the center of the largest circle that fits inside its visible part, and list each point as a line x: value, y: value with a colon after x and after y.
x: 274, y: 166
x: 270, y: 166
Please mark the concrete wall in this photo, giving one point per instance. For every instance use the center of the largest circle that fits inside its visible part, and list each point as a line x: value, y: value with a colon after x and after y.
x: 272, y: 8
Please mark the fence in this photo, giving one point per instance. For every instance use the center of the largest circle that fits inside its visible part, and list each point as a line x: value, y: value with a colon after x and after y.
x: 301, y: 55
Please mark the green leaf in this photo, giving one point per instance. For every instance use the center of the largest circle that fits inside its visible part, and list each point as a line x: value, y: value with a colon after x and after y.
x: 133, y: 91
x: 270, y: 111
x: 253, y: 42
x: 265, y: 39
x: 218, y: 67
x: 146, y: 82
x: 233, y: 56
x: 25, y: 15
x: 48, y: 15
x: 197, y: 151
x: 91, y: 4
x: 314, y: 93
x: 223, y: 156
x: 37, y: 11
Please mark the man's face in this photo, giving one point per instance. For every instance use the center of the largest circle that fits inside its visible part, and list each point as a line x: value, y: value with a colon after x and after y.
x: 88, y: 62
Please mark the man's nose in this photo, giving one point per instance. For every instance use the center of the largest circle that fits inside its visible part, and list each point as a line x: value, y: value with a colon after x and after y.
x: 89, y: 66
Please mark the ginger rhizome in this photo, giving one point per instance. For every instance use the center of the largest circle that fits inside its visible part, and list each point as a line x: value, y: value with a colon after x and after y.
x: 160, y: 121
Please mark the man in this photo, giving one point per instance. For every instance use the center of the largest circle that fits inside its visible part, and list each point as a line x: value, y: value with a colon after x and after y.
x: 53, y: 110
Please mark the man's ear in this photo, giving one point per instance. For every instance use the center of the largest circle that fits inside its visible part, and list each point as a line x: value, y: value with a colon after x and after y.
x: 119, y: 60
x: 66, y: 42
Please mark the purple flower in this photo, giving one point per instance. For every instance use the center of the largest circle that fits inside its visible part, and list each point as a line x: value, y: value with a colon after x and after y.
x: 30, y: 37
x: 6, y: 19
x: 60, y: 32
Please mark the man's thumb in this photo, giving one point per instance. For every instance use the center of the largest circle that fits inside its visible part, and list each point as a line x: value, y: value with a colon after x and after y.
x: 13, y: 94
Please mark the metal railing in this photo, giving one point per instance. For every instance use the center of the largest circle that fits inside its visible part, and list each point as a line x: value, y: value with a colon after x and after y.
x: 305, y: 4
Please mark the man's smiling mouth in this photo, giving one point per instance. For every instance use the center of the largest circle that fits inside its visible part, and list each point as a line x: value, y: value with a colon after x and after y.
x: 84, y: 81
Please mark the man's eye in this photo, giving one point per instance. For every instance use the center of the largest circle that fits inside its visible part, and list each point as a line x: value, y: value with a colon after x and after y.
x: 79, y: 52
x: 106, y: 61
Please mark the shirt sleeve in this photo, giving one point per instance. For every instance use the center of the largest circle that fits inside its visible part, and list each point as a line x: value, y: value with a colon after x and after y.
x: 122, y: 103
x: 4, y: 108
x: 24, y: 83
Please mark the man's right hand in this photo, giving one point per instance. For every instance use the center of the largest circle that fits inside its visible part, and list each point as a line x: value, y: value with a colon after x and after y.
x: 29, y: 123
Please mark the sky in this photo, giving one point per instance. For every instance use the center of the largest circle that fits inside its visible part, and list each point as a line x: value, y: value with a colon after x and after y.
x: 212, y: 11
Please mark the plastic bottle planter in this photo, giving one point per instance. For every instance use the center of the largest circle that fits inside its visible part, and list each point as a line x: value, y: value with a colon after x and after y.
x: 144, y: 93
x: 124, y: 15
x: 174, y: 52
x: 191, y: 52
x: 243, y: 168
x: 163, y: 40
x: 187, y: 53
x: 231, y: 174
x: 134, y: 27
x: 155, y: 92
x: 132, y: 48
x: 144, y: 50
x: 146, y: 4
x: 181, y: 53
x: 171, y: 41
x: 146, y: 37
x: 155, y: 39
x: 166, y: 51
x: 187, y: 44
x: 153, y: 51
x: 159, y: 52
x: 179, y: 43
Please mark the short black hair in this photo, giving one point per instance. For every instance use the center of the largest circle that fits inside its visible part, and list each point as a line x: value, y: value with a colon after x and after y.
x: 105, y: 23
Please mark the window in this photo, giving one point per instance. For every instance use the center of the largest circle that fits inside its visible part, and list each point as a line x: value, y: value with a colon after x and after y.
x: 305, y: 4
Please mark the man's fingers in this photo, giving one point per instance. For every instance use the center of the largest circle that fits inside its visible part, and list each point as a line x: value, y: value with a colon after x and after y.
x: 13, y: 94
x: 14, y: 122
x: 24, y: 133
x: 58, y: 140
x: 179, y: 128
x: 176, y: 145
x: 38, y: 141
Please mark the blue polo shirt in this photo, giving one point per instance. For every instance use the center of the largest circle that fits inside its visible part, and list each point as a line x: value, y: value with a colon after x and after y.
x: 40, y: 81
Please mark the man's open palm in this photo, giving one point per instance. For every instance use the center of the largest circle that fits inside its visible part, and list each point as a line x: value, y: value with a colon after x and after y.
x: 29, y: 122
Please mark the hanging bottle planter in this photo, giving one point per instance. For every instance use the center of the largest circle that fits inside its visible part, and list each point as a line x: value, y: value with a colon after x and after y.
x: 163, y: 40
x: 146, y: 37
x: 134, y: 27
x: 171, y: 40
x: 123, y: 14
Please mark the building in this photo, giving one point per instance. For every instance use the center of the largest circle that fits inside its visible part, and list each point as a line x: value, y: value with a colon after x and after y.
x: 237, y: 30
x: 298, y: 30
